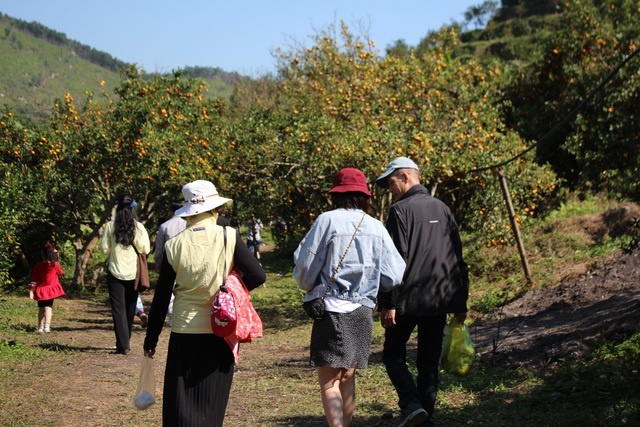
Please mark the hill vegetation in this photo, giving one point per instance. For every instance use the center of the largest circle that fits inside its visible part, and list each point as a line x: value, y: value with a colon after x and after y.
x: 516, y: 32
x: 41, y: 65
x: 37, y: 70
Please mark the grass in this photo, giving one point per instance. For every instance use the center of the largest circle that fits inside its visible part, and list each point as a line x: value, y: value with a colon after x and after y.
x: 597, y: 391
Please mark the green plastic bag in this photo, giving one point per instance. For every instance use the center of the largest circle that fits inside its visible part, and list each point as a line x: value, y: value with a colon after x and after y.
x: 457, y: 354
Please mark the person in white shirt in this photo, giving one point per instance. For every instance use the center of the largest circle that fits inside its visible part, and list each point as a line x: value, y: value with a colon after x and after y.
x: 118, y: 241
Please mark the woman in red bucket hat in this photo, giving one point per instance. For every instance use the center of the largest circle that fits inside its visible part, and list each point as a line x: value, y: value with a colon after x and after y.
x: 342, y: 262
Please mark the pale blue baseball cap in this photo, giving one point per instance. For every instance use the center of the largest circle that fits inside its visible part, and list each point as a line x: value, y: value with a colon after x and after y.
x: 397, y: 163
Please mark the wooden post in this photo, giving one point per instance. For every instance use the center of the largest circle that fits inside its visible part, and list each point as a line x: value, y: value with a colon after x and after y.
x: 514, y: 224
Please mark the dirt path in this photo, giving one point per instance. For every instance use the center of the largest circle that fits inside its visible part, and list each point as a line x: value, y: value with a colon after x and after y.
x: 93, y: 387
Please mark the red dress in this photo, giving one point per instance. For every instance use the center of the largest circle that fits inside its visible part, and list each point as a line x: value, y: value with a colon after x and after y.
x: 47, y: 284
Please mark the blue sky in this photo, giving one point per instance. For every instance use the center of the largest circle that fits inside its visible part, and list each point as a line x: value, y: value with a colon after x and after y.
x: 234, y: 35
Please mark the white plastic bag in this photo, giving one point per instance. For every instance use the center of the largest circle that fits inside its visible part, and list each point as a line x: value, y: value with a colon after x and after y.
x: 145, y: 394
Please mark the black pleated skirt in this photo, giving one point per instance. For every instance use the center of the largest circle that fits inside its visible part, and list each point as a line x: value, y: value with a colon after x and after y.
x: 197, y: 380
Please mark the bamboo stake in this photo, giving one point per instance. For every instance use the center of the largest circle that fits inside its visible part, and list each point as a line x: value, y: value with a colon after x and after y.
x: 514, y: 224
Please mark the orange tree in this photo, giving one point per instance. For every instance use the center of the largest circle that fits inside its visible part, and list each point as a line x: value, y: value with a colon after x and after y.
x: 340, y: 104
x: 22, y: 199
x: 149, y: 139
x: 599, y: 148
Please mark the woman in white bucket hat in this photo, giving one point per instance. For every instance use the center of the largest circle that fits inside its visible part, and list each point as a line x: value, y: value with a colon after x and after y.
x: 200, y: 365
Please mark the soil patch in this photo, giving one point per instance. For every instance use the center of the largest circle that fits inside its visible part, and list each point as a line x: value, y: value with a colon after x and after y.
x: 545, y: 325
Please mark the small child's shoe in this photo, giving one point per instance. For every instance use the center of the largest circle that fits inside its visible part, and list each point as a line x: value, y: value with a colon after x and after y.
x: 47, y: 329
x: 41, y: 329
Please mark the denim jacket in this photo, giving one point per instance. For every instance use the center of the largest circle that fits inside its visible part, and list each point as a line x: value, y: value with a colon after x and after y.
x: 371, y: 263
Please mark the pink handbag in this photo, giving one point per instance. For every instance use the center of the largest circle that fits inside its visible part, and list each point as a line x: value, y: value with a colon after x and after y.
x: 223, y: 313
x: 249, y: 324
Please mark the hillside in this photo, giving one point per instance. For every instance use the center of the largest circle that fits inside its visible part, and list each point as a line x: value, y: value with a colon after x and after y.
x: 41, y: 65
x: 35, y: 72
x: 512, y: 30
x: 510, y: 39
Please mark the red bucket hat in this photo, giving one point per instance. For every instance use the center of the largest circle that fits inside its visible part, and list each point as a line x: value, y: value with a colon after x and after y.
x: 350, y: 179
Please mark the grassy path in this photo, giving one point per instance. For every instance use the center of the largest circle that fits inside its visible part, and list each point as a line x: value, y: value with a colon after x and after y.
x: 79, y: 382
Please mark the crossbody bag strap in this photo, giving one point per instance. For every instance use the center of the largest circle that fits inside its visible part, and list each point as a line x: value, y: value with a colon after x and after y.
x: 224, y: 272
x: 333, y: 276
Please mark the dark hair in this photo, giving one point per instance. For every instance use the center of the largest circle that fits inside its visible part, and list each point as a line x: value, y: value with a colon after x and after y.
x: 174, y: 206
x: 351, y: 200
x: 125, y: 222
x: 49, y: 254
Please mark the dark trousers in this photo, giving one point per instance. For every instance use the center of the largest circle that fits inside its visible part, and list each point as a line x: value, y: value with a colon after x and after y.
x: 122, y: 297
x: 412, y: 395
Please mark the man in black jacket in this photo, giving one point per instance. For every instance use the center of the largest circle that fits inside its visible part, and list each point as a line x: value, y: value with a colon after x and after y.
x: 435, y: 283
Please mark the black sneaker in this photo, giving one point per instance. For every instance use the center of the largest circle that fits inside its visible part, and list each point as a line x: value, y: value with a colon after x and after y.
x: 413, y: 418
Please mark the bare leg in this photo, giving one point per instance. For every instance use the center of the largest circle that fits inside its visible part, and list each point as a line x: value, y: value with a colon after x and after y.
x: 41, y: 319
x: 48, y: 313
x: 348, y: 392
x: 337, y: 387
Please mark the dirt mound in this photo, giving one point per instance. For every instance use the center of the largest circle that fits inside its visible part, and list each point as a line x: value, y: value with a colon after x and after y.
x: 545, y: 325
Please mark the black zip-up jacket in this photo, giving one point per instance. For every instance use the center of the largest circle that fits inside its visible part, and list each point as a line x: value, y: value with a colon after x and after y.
x: 436, y: 279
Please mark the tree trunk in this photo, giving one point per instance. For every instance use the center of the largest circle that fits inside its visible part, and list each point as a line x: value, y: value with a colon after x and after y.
x: 84, y: 252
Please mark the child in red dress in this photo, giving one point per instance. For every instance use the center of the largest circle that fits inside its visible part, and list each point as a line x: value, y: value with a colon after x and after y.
x: 45, y: 286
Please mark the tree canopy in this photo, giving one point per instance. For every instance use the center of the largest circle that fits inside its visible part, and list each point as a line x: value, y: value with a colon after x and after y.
x: 276, y: 145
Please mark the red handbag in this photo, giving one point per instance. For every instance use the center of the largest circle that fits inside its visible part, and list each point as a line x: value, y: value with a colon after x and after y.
x: 223, y: 313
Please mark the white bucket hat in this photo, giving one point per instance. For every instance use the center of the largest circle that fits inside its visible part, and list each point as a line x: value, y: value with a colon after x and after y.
x: 200, y: 196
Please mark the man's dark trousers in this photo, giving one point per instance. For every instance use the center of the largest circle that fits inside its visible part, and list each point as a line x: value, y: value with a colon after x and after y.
x: 394, y: 356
